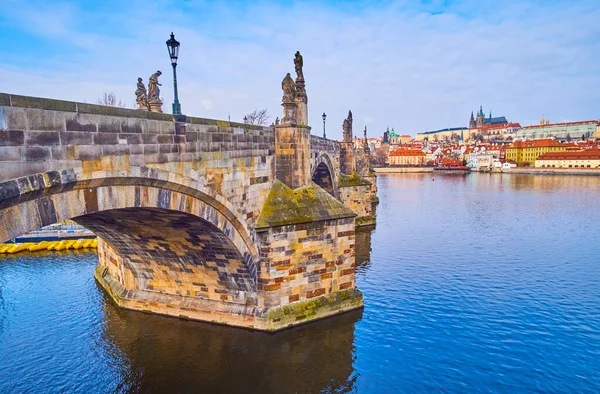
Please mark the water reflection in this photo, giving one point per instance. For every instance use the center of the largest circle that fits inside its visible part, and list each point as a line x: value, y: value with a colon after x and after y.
x: 158, y: 354
x: 363, y: 248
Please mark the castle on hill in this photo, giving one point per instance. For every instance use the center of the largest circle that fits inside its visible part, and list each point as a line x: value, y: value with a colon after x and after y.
x: 481, y: 120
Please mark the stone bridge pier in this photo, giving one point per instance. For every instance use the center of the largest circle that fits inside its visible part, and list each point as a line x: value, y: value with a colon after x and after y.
x: 200, y: 219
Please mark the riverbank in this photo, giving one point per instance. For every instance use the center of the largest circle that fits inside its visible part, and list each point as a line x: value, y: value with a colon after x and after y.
x: 402, y: 170
x: 553, y: 171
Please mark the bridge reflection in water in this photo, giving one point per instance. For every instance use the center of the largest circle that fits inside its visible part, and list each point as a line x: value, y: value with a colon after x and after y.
x: 161, y: 354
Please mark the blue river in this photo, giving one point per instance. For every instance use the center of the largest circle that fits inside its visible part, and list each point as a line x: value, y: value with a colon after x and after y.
x: 478, y: 283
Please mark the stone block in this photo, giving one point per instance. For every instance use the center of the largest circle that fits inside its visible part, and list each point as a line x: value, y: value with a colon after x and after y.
x: 133, y: 126
x: 12, y: 137
x: 78, y: 124
x: 37, y: 153
x: 149, y: 138
x: 150, y: 149
x: 108, y: 126
x: 131, y: 138
x: 43, y: 138
x: 10, y: 153
x: 43, y: 120
x: 42, y: 103
x: 88, y: 152
x: 165, y: 139
x: 115, y: 150
x: 16, y: 118
x: 106, y: 138
x: 136, y: 149
x: 76, y: 138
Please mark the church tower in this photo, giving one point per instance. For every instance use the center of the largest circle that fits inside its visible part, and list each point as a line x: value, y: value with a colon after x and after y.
x: 480, y: 117
x: 472, y: 121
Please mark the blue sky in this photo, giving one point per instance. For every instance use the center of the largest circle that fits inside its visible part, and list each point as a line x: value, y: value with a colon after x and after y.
x: 411, y: 65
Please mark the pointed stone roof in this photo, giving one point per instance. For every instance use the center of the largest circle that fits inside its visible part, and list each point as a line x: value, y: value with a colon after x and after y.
x: 307, y: 204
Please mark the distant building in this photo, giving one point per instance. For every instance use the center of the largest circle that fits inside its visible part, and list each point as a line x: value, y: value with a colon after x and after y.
x: 407, y: 157
x: 455, y: 133
x: 481, y: 120
x: 563, y: 131
x: 570, y: 159
x: 526, y: 152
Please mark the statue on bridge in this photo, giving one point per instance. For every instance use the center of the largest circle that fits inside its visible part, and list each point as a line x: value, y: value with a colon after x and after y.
x: 141, y: 97
x: 366, y: 143
x: 289, y: 101
x: 300, y: 85
x: 347, y: 128
x: 154, y: 101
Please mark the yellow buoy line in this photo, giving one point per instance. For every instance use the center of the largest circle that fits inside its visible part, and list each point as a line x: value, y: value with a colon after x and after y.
x: 64, y: 244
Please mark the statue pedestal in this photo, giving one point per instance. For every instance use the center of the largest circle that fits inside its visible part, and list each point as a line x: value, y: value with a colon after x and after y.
x: 155, y: 106
x: 302, y: 113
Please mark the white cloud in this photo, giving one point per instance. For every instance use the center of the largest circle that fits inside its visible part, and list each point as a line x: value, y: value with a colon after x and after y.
x: 393, y: 64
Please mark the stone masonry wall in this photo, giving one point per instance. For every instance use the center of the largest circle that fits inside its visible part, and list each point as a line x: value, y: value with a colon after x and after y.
x: 303, y: 261
x: 292, y: 149
x: 359, y: 199
x: 39, y: 135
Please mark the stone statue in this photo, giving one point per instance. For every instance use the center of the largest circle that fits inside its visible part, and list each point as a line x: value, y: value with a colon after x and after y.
x: 277, y: 121
x: 347, y: 128
x: 366, y: 142
x: 289, y: 89
x: 141, y: 97
x: 154, y: 102
x: 153, y: 90
x: 290, y: 107
x: 300, y: 84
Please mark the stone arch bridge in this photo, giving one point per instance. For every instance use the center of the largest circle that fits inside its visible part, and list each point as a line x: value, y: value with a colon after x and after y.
x: 196, y: 218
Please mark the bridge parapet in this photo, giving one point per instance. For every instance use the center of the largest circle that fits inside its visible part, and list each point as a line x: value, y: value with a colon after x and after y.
x: 198, y: 218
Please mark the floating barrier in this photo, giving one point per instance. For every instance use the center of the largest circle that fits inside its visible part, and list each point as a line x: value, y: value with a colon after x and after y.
x: 65, y: 244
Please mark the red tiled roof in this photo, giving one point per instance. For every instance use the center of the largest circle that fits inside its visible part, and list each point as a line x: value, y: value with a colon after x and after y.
x: 407, y: 152
x: 590, y: 154
x: 542, y: 143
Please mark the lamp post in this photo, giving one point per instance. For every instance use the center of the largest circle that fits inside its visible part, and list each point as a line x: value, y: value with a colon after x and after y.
x: 173, y: 47
x: 324, y: 117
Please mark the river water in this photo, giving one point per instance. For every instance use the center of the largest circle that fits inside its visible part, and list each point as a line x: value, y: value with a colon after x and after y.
x: 482, y: 283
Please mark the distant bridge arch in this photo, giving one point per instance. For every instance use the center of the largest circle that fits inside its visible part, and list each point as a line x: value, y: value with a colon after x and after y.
x: 323, y: 174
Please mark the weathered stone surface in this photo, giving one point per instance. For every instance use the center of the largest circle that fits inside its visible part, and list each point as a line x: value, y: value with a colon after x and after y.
x: 197, y: 219
x: 12, y: 137
x: 308, y: 204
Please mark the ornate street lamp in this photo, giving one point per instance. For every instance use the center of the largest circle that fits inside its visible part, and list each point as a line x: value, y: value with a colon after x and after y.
x: 324, y: 117
x: 173, y: 47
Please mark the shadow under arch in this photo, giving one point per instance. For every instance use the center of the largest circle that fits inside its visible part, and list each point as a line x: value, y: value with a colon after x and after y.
x: 42, y: 199
x: 322, y: 175
x: 170, y: 252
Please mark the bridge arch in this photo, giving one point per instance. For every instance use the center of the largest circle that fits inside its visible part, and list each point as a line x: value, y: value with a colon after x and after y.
x: 160, y: 233
x: 323, y: 175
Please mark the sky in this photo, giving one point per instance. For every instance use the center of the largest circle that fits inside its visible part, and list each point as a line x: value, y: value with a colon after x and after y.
x: 412, y: 65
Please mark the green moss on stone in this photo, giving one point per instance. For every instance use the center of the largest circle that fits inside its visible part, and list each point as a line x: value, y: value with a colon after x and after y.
x: 312, y: 308
x: 42, y: 103
x: 352, y: 180
x: 4, y: 99
x: 285, y: 206
x: 364, y: 221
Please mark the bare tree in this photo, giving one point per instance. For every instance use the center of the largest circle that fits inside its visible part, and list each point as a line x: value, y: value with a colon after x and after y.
x: 379, y: 157
x: 257, y: 117
x: 110, y: 100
